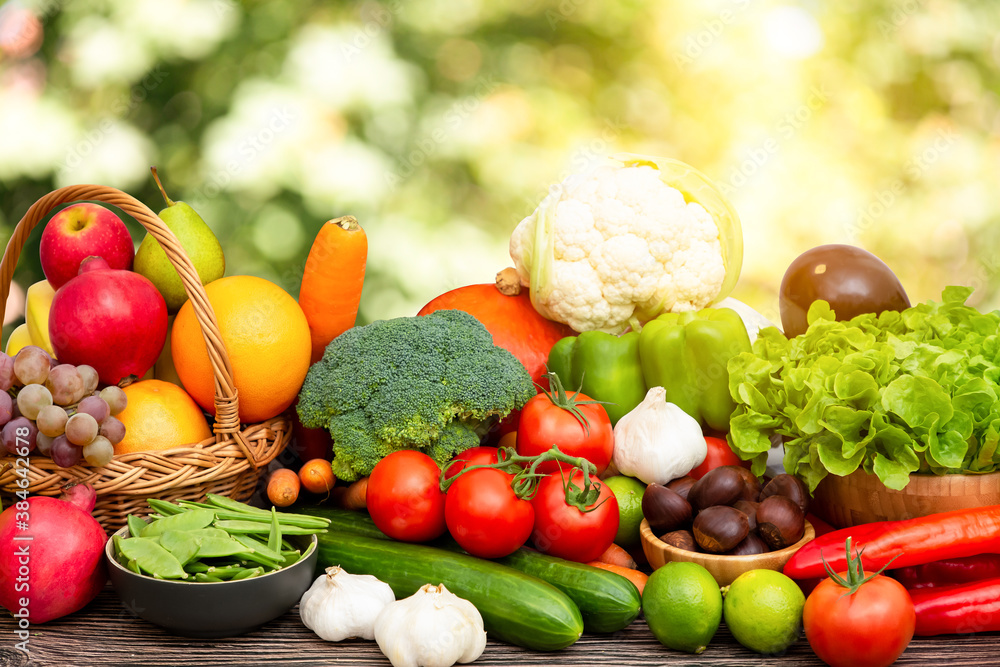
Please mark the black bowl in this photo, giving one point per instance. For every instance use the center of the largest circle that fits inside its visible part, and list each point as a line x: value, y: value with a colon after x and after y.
x: 214, y: 609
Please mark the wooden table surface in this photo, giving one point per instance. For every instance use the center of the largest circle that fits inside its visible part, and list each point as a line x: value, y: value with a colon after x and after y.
x: 105, y: 633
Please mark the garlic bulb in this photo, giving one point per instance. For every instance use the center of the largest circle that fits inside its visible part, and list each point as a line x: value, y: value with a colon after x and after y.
x: 341, y: 606
x: 657, y: 441
x: 431, y: 628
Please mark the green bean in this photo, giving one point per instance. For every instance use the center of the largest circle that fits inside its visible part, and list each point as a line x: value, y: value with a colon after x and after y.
x: 163, y: 507
x: 207, y: 578
x: 188, y: 520
x: 152, y: 558
x: 255, y: 527
x: 251, y: 513
x: 274, y: 537
x: 132, y: 565
x: 284, y: 519
x: 181, y: 544
x: 135, y: 525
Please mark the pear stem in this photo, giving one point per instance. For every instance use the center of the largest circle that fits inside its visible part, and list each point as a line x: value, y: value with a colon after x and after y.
x: 163, y: 192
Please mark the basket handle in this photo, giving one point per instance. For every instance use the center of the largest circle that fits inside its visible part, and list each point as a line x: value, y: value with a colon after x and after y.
x: 227, y: 420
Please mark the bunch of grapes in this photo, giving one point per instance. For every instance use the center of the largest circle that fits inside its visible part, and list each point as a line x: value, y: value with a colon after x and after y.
x: 58, y: 409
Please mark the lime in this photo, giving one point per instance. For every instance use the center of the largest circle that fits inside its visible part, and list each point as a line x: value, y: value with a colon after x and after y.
x: 763, y: 610
x: 628, y: 491
x: 683, y: 606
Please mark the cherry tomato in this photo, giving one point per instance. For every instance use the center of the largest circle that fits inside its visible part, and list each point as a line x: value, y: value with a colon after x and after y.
x: 474, y: 456
x: 852, y: 280
x: 719, y: 454
x: 485, y: 516
x: 869, y: 628
x: 544, y: 424
x: 404, y: 497
x: 563, y: 530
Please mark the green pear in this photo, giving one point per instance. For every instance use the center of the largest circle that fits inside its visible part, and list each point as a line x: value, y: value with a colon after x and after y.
x: 198, y: 242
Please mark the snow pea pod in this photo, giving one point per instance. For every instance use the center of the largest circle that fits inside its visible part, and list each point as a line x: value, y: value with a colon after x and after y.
x: 248, y: 574
x: 182, y: 545
x: 213, y: 547
x: 152, y: 558
x: 135, y: 525
x: 258, y: 547
x: 190, y: 520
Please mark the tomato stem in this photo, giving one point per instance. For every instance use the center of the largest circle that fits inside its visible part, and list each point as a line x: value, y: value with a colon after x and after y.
x: 855, y: 577
x: 568, y: 402
x: 525, y: 482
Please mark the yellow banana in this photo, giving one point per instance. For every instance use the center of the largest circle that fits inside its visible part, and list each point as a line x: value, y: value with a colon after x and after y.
x: 38, y: 303
x: 19, y: 337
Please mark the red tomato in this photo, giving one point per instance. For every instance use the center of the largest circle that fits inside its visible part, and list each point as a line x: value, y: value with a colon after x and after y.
x: 474, y: 456
x: 719, y: 454
x: 485, y: 516
x: 563, y: 530
x: 870, y: 628
x: 544, y: 424
x: 404, y: 497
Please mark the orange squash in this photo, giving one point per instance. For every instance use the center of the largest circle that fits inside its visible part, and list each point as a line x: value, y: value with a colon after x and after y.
x: 515, y: 324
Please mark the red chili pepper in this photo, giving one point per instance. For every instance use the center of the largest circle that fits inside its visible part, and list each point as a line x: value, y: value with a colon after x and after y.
x: 948, y: 572
x: 942, y: 536
x: 959, y: 609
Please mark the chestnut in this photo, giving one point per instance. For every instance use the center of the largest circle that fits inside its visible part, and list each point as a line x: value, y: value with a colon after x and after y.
x: 780, y: 522
x: 664, y: 509
x: 681, y: 485
x: 750, y: 546
x: 720, y: 528
x: 752, y: 484
x: 789, y: 486
x: 750, y: 509
x: 682, y: 539
x: 719, y: 486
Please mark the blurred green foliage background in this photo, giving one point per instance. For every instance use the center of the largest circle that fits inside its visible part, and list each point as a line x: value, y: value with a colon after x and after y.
x: 441, y: 124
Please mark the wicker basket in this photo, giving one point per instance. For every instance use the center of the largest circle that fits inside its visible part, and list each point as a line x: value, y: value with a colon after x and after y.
x: 230, y: 463
x: 862, y: 498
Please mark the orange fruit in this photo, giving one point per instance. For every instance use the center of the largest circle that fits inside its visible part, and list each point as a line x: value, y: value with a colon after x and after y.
x: 160, y: 415
x: 266, y: 335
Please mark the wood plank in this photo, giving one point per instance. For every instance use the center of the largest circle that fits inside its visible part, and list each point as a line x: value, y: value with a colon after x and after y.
x: 105, y: 633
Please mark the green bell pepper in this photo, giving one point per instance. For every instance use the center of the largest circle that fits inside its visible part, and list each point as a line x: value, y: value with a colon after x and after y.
x: 687, y: 354
x: 602, y: 366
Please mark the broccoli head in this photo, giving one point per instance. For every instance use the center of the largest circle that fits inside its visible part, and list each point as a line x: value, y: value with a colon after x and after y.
x: 433, y: 383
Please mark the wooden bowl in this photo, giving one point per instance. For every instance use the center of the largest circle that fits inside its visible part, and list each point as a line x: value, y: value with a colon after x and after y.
x: 861, y: 498
x: 724, y: 568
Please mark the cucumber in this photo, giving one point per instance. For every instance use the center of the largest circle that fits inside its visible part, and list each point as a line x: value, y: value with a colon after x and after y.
x: 608, y: 602
x: 345, y: 521
x: 516, y: 608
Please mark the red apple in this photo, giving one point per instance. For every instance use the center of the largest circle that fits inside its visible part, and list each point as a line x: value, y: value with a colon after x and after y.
x: 80, y: 231
x: 113, y: 320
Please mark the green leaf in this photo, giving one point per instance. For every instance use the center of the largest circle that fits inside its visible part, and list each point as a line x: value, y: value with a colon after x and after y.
x: 915, y: 399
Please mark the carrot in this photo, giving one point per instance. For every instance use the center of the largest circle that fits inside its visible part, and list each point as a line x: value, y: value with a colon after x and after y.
x: 635, y: 576
x: 332, y: 281
x: 283, y: 487
x: 355, y: 497
x: 615, y: 555
x: 316, y: 476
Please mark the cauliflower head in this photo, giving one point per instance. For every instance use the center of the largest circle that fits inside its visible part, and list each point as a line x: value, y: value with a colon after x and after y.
x: 619, y: 245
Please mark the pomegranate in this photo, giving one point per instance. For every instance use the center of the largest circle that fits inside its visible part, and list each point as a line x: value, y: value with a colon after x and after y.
x: 51, y: 559
x: 513, y: 321
x: 111, y: 319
